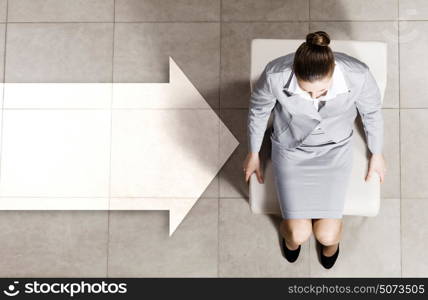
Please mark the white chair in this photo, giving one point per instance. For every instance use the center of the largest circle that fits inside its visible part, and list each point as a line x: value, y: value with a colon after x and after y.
x: 363, y: 198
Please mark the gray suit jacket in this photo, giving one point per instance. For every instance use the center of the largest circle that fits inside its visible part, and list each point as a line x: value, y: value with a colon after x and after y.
x: 295, y: 118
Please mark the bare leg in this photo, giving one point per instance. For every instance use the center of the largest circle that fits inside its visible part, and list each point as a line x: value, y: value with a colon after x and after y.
x: 295, y: 232
x: 328, y: 232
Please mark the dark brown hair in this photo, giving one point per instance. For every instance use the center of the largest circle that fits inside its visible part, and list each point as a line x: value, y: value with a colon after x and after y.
x: 314, y: 59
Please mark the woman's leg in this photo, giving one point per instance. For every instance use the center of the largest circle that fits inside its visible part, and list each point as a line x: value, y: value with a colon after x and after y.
x: 295, y: 231
x: 328, y: 232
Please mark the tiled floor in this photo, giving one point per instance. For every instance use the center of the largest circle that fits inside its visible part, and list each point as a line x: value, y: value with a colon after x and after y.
x: 130, y: 41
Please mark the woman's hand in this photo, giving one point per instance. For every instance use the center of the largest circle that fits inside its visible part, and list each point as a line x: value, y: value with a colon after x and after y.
x: 377, y: 164
x: 252, y: 164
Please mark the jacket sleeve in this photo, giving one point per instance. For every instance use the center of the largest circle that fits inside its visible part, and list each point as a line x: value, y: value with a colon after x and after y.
x: 262, y: 101
x: 369, y: 106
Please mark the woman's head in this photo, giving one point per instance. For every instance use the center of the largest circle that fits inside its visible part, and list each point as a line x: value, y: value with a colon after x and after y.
x: 314, y: 64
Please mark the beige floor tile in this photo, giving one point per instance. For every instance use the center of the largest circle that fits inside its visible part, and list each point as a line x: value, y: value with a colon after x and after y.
x: 232, y: 182
x: 414, y: 236
x: 413, y: 9
x: 250, y: 244
x: 353, y: 10
x: 140, y: 245
x: 142, y: 50
x: 59, y: 52
x: 369, y: 247
x: 2, y: 47
x: 235, y: 55
x: 60, y: 11
x: 167, y: 10
x: 391, y: 153
x: 3, y: 10
x: 370, y: 31
x: 255, y: 10
x: 53, y: 243
x: 413, y: 66
x: 414, y: 162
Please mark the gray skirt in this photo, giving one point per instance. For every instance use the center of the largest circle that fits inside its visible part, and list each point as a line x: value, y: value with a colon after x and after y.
x: 311, y: 180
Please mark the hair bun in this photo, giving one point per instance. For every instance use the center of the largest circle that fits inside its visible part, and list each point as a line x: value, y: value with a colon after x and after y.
x: 318, y: 38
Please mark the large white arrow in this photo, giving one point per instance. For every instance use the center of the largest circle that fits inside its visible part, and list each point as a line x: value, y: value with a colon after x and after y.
x: 165, y: 146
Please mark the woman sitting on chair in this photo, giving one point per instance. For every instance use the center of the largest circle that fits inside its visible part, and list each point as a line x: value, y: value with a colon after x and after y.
x: 315, y: 94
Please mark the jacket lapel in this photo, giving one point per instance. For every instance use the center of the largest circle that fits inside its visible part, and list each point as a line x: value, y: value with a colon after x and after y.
x: 298, y: 104
x: 304, y: 106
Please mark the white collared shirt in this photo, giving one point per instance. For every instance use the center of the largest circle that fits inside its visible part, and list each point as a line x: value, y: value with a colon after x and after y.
x: 338, y: 86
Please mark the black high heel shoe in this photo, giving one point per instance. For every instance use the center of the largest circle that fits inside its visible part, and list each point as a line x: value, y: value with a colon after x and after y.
x: 328, y: 261
x: 290, y: 255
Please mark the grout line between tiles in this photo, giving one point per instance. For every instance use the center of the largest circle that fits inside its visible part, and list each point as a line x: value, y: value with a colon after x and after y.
x: 111, y: 142
x: 215, y: 21
x: 219, y: 141
x: 4, y: 80
x: 351, y: 20
x: 399, y: 139
x: 105, y: 22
